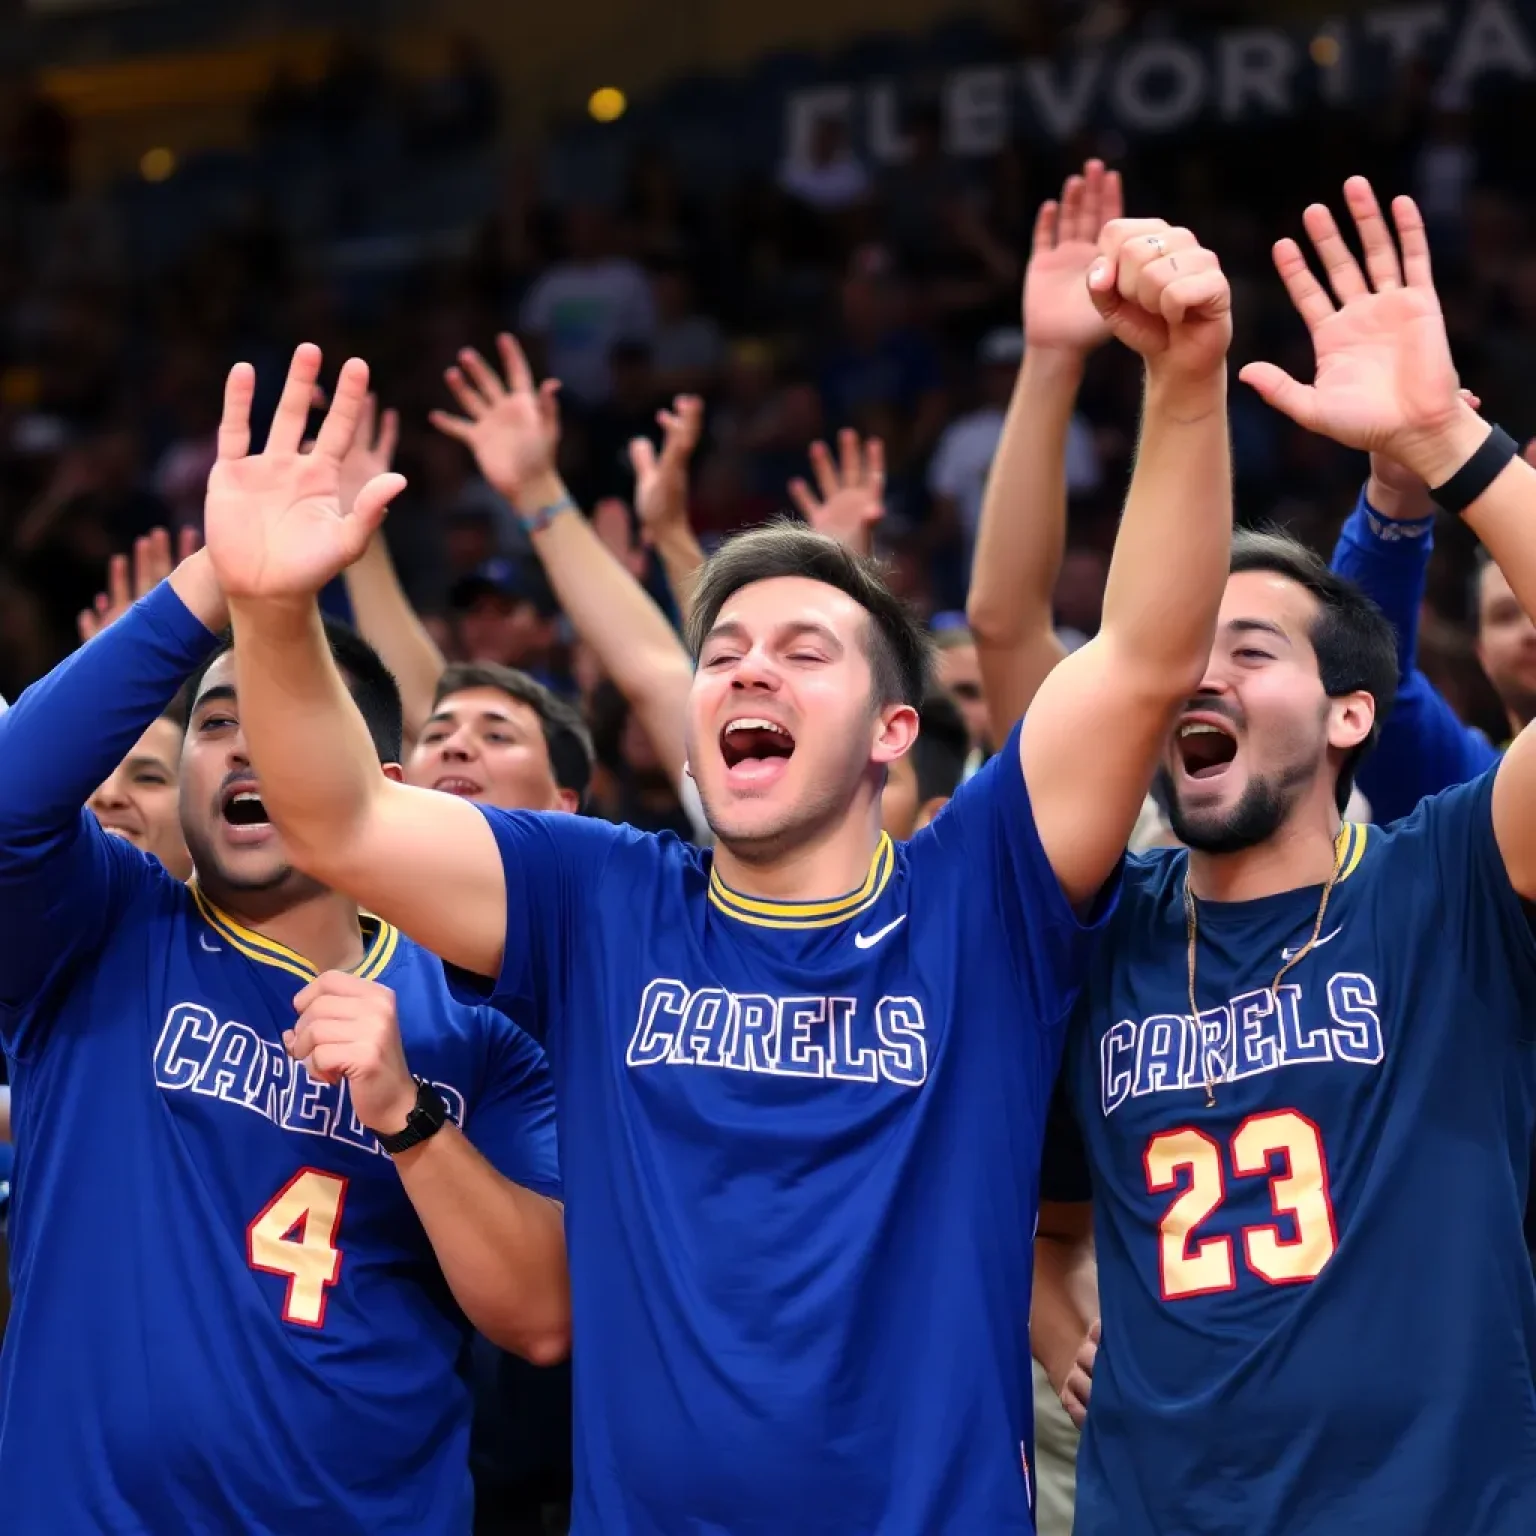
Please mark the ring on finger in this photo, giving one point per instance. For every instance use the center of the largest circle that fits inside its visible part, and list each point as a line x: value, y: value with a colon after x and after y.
x: 1156, y: 242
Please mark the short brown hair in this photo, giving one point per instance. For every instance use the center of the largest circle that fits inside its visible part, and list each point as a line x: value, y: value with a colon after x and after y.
x: 565, y: 734
x: 900, y: 653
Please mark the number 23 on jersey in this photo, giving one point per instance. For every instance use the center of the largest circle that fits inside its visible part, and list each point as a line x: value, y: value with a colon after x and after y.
x: 1282, y: 1145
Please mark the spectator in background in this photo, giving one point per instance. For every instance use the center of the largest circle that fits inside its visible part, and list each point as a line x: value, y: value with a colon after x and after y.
x: 507, y: 615
x: 826, y: 175
x: 688, y: 350
x: 880, y: 373
x: 584, y: 306
x: 958, y: 673
x: 957, y: 475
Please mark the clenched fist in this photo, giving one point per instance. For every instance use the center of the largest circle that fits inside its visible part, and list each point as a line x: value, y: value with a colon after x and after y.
x: 348, y: 1028
x: 1165, y: 296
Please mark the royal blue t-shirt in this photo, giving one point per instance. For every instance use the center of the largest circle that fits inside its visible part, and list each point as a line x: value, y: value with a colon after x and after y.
x: 800, y: 1146
x: 1317, y: 1309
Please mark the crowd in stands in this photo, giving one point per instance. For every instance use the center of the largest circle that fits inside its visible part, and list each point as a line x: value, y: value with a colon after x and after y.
x: 832, y: 294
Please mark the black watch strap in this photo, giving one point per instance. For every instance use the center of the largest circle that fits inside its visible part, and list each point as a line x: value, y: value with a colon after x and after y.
x: 424, y: 1121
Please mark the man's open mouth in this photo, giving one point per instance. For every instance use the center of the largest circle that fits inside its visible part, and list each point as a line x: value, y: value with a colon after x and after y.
x: 1205, y: 748
x: 750, y: 739
x: 243, y: 808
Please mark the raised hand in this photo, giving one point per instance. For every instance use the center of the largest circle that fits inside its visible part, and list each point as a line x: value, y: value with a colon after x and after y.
x: 1059, y: 314
x: 852, y: 490
x: 1384, y: 381
x: 372, y: 451
x: 128, y: 581
x: 511, y: 427
x: 274, y: 521
x: 661, y: 480
x: 1163, y: 295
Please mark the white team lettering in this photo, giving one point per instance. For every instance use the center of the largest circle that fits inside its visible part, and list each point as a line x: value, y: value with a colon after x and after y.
x: 812, y: 1037
x: 1252, y: 1034
x: 232, y: 1064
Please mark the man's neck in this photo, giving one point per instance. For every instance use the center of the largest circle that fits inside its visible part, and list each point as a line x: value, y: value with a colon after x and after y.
x: 323, y: 927
x: 820, y: 869
x: 1300, y: 854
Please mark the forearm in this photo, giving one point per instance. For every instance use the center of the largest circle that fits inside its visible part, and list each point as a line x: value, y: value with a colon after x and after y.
x: 1022, y: 534
x: 1389, y: 561
x: 631, y: 637
x: 1168, y: 571
x: 682, y: 558
x: 386, y: 620
x: 1504, y: 518
x: 501, y: 1247
x: 1064, y: 1303
x: 68, y: 731
x: 5, y: 1113
x: 317, y: 764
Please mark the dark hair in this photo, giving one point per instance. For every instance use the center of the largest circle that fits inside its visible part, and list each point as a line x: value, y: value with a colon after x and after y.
x: 897, y: 645
x: 371, y: 684
x: 1354, y: 641
x: 565, y: 735
x: 941, y: 748
x: 179, y: 708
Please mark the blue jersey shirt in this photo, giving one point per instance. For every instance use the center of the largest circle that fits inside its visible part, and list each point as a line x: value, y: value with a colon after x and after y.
x: 226, y: 1315
x: 1318, y: 1315
x: 800, y: 1145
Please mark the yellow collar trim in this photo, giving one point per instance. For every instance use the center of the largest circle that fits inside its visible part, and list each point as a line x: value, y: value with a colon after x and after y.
x: 380, y: 938
x: 1349, y: 847
x: 807, y: 914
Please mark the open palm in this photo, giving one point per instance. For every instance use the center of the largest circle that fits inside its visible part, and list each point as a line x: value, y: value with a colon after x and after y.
x: 1058, y: 312
x: 274, y: 521
x: 1384, y: 374
x: 511, y: 427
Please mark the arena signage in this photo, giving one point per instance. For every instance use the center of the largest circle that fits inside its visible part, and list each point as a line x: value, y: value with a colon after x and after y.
x: 1148, y: 85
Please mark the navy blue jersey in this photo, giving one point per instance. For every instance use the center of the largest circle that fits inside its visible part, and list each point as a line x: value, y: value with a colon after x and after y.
x: 800, y: 1144
x: 226, y: 1315
x: 1318, y: 1315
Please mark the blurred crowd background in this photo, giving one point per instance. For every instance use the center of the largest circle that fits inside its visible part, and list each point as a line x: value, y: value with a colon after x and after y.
x: 812, y: 221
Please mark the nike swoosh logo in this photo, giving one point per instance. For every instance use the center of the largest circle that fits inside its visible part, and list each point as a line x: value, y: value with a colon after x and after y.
x: 1290, y: 954
x: 869, y: 940
x: 213, y: 949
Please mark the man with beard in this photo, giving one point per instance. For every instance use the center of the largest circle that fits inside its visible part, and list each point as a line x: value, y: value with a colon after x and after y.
x: 801, y: 1078
x: 1302, y: 1072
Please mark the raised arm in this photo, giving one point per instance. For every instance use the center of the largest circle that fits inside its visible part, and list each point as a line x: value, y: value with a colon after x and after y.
x: 1385, y: 382
x: 380, y: 608
x: 513, y: 429
x: 1093, y: 734
x: 277, y: 533
x: 61, y: 877
x: 661, y: 497
x: 1384, y: 549
x: 1023, y: 526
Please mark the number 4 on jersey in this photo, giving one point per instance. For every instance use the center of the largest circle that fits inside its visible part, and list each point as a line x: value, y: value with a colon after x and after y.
x: 1299, y: 1190
x: 294, y: 1235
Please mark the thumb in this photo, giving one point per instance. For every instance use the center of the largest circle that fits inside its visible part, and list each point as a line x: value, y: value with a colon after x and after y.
x: 370, y: 506
x: 1129, y: 324
x: 642, y: 458
x: 1275, y: 387
x: 1093, y: 1332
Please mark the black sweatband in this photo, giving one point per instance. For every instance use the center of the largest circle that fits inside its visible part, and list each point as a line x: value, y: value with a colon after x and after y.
x: 1477, y: 474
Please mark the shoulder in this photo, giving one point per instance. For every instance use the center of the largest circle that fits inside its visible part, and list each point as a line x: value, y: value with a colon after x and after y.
x: 582, y: 839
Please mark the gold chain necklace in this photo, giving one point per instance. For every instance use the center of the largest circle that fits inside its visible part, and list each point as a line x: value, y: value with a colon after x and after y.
x: 1192, y: 926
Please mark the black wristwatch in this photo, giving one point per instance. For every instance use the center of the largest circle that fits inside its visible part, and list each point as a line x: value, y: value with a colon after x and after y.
x: 424, y: 1121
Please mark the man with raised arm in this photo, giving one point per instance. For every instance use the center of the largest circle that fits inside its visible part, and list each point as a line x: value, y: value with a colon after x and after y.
x: 1302, y: 1070
x: 269, y: 1163
x: 801, y: 1079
